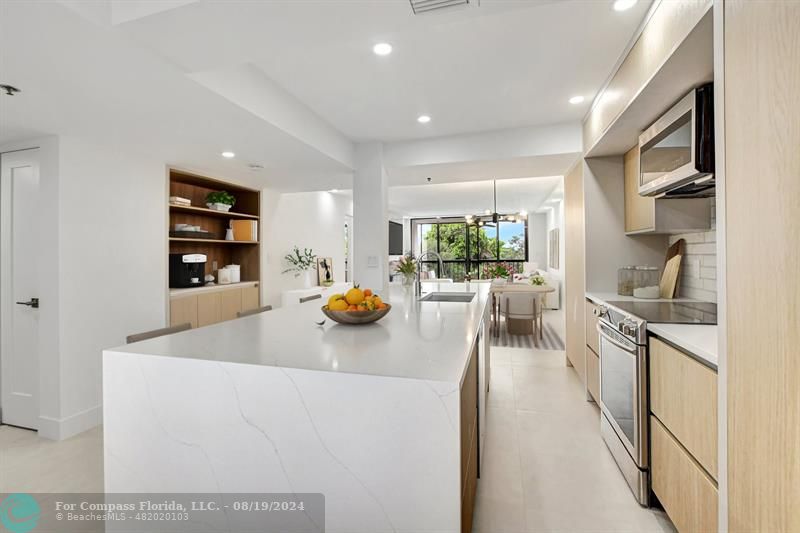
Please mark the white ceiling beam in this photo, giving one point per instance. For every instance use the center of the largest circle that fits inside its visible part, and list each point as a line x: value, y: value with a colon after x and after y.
x: 248, y: 87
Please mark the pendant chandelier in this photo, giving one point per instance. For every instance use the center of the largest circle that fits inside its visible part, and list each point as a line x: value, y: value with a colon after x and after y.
x: 491, y: 217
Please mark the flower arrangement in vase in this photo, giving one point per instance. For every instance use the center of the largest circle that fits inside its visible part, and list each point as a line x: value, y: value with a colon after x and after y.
x: 498, y: 271
x: 537, y: 280
x: 407, y: 266
x: 301, y: 263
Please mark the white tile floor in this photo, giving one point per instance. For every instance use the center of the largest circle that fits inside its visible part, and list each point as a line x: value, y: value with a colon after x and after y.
x: 545, y: 466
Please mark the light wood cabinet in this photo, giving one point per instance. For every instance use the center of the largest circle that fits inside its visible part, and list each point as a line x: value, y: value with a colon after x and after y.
x: 683, y: 396
x: 469, y: 441
x: 592, y: 337
x: 649, y: 215
x: 208, y: 308
x: 575, y: 269
x: 212, y: 305
x: 640, y: 211
x: 250, y: 298
x: 593, y: 374
x: 183, y: 310
x: 686, y: 491
x: 762, y: 197
x: 230, y: 304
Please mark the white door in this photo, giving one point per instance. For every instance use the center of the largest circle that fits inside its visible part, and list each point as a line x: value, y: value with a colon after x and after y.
x: 19, y: 323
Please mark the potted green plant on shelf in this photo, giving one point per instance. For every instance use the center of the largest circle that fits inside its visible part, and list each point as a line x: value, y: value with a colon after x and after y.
x: 301, y: 263
x: 220, y: 200
x: 407, y: 266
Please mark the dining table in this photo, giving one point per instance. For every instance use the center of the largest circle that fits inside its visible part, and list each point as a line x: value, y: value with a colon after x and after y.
x: 498, y: 289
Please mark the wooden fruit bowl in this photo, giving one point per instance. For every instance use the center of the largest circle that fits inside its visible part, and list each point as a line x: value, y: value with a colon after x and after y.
x: 356, y: 317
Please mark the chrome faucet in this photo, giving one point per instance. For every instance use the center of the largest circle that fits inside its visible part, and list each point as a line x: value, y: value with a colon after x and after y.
x: 419, y: 266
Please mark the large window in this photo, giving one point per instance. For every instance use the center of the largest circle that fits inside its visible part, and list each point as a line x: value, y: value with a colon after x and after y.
x: 467, y: 248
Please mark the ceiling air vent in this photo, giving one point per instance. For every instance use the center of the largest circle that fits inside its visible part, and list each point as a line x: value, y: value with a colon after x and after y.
x: 427, y: 6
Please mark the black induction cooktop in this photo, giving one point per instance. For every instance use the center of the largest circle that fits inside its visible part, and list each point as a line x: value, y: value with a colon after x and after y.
x: 671, y: 312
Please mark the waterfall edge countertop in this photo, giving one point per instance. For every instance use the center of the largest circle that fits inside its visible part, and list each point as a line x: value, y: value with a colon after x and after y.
x: 418, y: 340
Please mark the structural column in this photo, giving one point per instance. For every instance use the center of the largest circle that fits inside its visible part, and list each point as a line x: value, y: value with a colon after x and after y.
x: 370, y: 219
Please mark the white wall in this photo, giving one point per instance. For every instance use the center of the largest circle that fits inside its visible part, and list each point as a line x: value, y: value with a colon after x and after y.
x: 537, y: 239
x: 308, y: 220
x: 607, y: 246
x: 112, y: 274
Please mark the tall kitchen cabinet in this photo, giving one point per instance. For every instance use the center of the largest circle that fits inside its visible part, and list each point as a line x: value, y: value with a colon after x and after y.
x: 575, y: 269
x: 202, y: 306
x: 762, y: 225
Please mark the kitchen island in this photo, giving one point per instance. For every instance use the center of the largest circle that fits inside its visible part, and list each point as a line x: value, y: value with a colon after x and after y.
x: 386, y: 420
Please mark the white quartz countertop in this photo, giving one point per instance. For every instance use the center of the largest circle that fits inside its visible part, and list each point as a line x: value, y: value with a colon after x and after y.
x: 698, y: 340
x: 211, y: 288
x: 418, y: 340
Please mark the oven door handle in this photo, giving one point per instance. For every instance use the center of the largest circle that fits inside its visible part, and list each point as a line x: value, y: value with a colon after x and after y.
x: 629, y: 348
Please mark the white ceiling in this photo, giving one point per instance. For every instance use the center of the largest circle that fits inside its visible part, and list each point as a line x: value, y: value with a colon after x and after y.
x: 150, y: 77
x: 456, y: 199
x: 507, y: 63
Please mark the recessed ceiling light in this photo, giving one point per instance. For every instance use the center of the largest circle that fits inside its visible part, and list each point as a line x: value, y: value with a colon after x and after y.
x: 228, y: 155
x: 423, y: 119
x: 576, y: 100
x: 622, y: 5
x: 382, y: 49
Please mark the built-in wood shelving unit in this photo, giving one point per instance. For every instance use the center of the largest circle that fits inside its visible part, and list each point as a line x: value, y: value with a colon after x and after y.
x: 223, y: 252
x: 217, y: 241
x: 209, y: 212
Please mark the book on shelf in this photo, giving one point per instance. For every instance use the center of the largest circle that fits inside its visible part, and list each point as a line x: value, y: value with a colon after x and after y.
x: 177, y: 200
x: 244, y: 230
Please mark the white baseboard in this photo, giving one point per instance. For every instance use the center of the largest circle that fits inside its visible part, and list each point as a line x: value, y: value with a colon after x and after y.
x: 64, y: 428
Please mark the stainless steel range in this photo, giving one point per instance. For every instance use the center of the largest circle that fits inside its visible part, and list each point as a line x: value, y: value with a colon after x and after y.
x: 624, y: 398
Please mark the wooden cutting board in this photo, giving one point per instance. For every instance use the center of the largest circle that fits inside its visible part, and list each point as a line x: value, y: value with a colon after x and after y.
x: 672, y: 269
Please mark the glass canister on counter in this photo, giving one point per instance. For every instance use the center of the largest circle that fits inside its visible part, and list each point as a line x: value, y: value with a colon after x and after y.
x: 625, y: 280
x: 646, y: 282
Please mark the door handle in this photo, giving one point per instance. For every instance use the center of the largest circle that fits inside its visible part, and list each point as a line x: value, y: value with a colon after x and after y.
x: 33, y: 302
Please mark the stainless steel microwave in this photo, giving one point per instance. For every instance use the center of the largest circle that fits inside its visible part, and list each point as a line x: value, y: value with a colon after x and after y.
x: 676, y: 153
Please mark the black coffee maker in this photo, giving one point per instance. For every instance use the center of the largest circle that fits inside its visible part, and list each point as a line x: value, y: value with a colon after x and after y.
x: 187, y: 270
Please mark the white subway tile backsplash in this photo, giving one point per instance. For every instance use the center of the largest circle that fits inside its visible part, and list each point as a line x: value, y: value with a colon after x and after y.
x: 708, y: 260
x: 707, y: 248
x: 699, y: 294
x: 699, y: 267
x: 691, y: 282
x: 708, y: 273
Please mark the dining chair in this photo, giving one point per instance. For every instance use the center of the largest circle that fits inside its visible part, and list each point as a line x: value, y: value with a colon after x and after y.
x: 138, y: 337
x: 310, y: 298
x: 523, y: 306
x: 255, y: 311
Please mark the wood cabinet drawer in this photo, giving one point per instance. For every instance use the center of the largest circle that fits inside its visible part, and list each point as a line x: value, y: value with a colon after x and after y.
x: 683, y: 395
x: 470, y: 484
x: 183, y: 310
x: 230, y: 304
x: 593, y: 374
x: 592, y: 337
x: 469, y: 410
x: 686, y: 491
x: 250, y: 298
